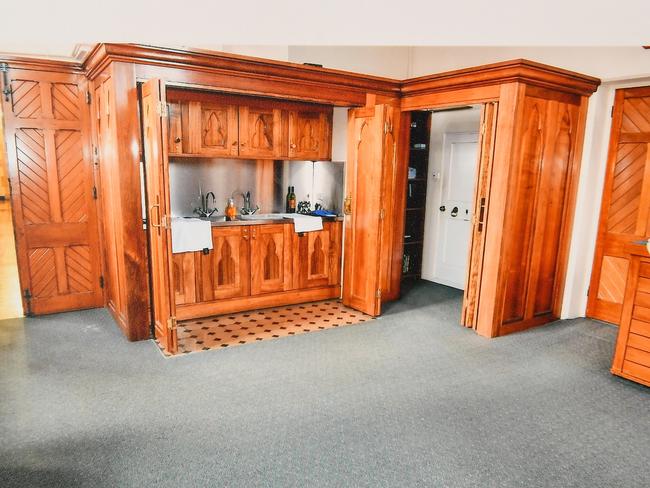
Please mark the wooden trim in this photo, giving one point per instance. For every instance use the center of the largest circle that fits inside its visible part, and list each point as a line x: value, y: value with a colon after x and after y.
x: 42, y: 64
x: 516, y: 70
x: 205, y: 309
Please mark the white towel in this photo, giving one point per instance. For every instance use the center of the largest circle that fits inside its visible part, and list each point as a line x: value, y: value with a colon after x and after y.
x: 305, y: 223
x: 190, y: 235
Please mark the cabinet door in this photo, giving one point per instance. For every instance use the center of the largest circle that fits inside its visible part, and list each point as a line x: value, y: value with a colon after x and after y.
x: 260, y: 134
x: 225, y: 271
x: 319, y: 256
x: 218, y: 134
x: 309, y: 135
x: 175, y: 130
x: 270, y: 258
x: 184, y: 270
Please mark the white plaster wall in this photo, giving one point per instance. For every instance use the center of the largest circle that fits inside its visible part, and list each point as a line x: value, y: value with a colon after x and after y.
x: 606, y: 63
x: 441, y: 123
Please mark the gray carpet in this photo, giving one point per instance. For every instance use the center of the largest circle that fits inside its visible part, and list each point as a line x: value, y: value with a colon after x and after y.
x: 411, y: 399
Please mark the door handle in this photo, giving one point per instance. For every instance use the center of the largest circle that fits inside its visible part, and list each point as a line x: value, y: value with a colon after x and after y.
x: 454, y: 211
x: 481, y: 215
x: 347, y: 205
x: 442, y: 208
x: 156, y: 206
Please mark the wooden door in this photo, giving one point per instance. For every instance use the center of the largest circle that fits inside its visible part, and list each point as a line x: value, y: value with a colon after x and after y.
x: 53, y: 192
x: 225, y: 270
x: 364, y: 207
x: 481, y: 203
x: 270, y: 258
x: 309, y: 135
x: 319, y: 256
x: 632, y: 353
x: 158, y: 211
x: 218, y: 128
x: 260, y: 134
x: 175, y: 124
x: 625, y: 209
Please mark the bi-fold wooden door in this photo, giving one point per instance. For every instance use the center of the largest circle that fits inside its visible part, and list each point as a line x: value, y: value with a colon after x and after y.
x: 625, y: 209
x: 53, y: 192
x: 371, y: 157
x: 481, y: 204
x: 154, y: 110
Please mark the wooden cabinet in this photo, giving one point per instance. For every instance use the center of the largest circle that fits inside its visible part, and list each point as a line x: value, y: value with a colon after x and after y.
x: 270, y: 258
x: 309, y: 135
x: 260, y: 132
x: 214, y: 125
x: 632, y: 355
x: 317, y: 257
x: 225, y: 270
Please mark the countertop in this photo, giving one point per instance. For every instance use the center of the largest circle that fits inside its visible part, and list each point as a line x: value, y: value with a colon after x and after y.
x: 221, y: 221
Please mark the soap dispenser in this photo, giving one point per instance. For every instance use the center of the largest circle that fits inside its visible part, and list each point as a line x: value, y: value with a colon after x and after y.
x: 231, y: 210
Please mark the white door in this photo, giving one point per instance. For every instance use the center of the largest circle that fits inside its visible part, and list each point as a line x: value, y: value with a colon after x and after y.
x: 454, y: 212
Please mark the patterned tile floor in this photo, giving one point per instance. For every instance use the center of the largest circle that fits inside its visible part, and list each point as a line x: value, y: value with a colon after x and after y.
x: 258, y: 325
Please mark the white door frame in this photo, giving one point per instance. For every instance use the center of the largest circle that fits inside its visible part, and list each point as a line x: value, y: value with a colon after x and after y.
x: 448, y: 139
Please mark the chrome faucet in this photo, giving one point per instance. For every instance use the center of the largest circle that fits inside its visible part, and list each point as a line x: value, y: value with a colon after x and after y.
x: 204, y: 210
x: 247, y: 209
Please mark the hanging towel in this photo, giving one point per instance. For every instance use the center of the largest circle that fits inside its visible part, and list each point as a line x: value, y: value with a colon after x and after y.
x: 305, y: 223
x: 190, y: 235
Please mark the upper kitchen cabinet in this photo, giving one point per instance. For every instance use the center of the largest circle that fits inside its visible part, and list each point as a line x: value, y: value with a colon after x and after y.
x: 310, y: 135
x: 226, y: 126
x: 260, y: 132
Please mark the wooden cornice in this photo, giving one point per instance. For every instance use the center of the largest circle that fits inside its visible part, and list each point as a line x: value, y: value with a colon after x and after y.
x: 104, y: 53
x: 517, y: 70
x: 42, y: 64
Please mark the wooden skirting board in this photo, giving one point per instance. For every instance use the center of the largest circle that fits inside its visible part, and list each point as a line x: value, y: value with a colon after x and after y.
x: 205, y: 309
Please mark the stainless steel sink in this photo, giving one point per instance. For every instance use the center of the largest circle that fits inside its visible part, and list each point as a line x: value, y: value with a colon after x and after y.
x: 269, y: 216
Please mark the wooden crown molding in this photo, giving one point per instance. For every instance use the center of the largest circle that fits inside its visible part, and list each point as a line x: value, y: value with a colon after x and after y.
x: 517, y: 70
x: 42, y: 64
x: 104, y: 53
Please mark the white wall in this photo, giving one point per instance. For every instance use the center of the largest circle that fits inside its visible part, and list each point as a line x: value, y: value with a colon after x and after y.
x: 441, y: 123
x: 606, y: 63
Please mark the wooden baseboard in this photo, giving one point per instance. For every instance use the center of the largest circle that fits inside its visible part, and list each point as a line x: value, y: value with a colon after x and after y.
x: 268, y: 300
x: 510, y: 328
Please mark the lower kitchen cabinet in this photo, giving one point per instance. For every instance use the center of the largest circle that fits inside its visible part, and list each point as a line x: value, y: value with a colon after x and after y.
x: 225, y: 270
x: 258, y: 266
x: 270, y: 258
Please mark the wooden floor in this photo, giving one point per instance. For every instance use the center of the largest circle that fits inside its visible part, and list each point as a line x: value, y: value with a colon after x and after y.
x: 257, y: 325
x: 10, y: 303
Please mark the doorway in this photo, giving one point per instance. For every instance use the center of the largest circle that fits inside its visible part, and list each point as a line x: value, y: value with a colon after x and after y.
x: 10, y: 298
x: 443, y: 158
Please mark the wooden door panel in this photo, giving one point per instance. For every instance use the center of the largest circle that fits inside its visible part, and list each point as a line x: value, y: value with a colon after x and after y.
x: 364, y: 210
x: 225, y: 271
x: 218, y: 129
x: 309, y: 135
x: 625, y: 209
x: 155, y: 140
x: 318, y: 256
x: 270, y: 258
x: 260, y: 134
x: 57, y: 234
x: 185, y: 277
x: 481, y: 205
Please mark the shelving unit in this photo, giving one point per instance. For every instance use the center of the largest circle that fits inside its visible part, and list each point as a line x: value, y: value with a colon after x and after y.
x: 416, y: 194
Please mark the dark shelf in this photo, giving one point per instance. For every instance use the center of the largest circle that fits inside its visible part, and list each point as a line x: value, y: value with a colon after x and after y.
x: 415, y: 208
x: 417, y: 179
x: 417, y: 241
x: 411, y: 275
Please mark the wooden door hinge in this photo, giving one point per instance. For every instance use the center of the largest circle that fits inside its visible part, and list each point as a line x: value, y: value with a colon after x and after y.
x: 88, y: 97
x: 611, y: 113
x: 6, y: 86
x: 162, y: 109
x: 382, y: 214
x: 378, y: 293
x: 94, y: 192
x: 95, y: 155
x: 172, y: 323
x: 101, y: 282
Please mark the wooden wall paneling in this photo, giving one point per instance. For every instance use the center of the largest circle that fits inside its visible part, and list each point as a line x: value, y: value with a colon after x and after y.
x: 626, y: 202
x: 47, y: 132
x: 364, y: 209
x: 158, y: 215
x: 471, y: 294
